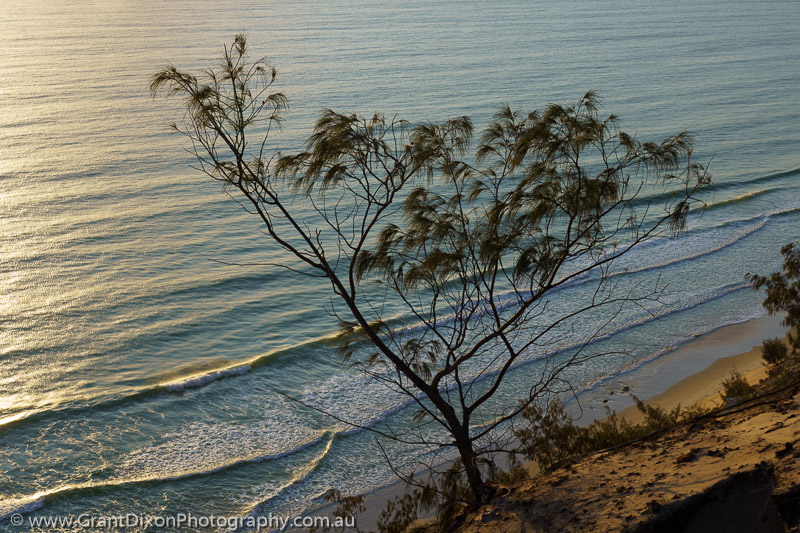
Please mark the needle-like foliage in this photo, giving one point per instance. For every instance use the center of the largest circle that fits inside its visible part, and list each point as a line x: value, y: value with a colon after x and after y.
x: 783, y: 295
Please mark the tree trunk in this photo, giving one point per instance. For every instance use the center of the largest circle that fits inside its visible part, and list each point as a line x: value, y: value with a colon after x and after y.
x: 470, y: 463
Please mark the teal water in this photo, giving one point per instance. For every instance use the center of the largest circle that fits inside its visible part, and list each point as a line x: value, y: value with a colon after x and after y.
x: 111, y: 297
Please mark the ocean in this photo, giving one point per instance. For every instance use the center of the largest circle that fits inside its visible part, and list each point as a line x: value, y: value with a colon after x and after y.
x: 138, y: 367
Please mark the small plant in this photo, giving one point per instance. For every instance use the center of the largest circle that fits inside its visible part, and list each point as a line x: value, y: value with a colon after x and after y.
x: 442, y: 498
x: 515, y: 473
x: 346, y: 510
x: 736, y: 386
x: 549, y: 436
x: 400, y: 512
x: 774, y: 351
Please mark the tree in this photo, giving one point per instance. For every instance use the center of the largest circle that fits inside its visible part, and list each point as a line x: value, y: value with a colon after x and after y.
x: 782, y: 295
x: 470, y: 239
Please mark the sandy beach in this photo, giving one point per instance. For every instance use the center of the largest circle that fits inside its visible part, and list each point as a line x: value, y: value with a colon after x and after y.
x: 703, y: 388
x: 690, y: 374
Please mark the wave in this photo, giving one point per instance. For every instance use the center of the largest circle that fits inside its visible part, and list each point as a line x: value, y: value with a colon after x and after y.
x: 195, y: 381
x: 663, y: 196
x: 148, y: 458
x: 503, y: 300
x: 88, y: 405
x: 10, y: 419
x: 204, y: 379
x: 508, y: 299
x: 222, y: 448
x: 242, y: 279
x: 764, y: 178
x: 756, y: 180
x: 785, y: 211
x: 201, y: 380
x: 740, y: 198
x: 704, y: 298
x: 761, y: 222
x: 184, y: 383
x: 301, y: 476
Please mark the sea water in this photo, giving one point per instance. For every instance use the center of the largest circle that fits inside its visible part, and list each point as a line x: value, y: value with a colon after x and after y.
x: 139, y: 367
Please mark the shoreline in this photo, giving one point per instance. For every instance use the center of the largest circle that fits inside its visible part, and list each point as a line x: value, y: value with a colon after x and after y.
x: 703, y: 388
x: 690, y: 374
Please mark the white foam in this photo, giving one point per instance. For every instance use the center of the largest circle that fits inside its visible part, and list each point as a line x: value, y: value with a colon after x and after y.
x: 203, y: 448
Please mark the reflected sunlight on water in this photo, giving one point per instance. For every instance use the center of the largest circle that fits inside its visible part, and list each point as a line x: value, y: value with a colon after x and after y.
x: 110, y: 285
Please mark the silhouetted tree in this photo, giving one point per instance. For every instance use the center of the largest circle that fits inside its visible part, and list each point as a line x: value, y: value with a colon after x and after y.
x: 471, y: 239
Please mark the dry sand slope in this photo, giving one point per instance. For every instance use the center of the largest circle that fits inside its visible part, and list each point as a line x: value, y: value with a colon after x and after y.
x: 739, y: 472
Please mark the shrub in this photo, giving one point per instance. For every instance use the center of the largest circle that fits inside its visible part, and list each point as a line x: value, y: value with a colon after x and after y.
x: 736, y: 386
x: 347, y: 507
x: 774, y: 351
x: 550, y: 436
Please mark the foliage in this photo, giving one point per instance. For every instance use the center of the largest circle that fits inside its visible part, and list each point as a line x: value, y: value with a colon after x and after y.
x: 469, y: 239
x: 346, y: 508
x: 774, y: 351
x: 736, y: 386
x: 783, y: 294
x: 441, y: 498
x: 515, y: 473
x: 550, y: 436
x: 400, y: 513
x: 445, y: 494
